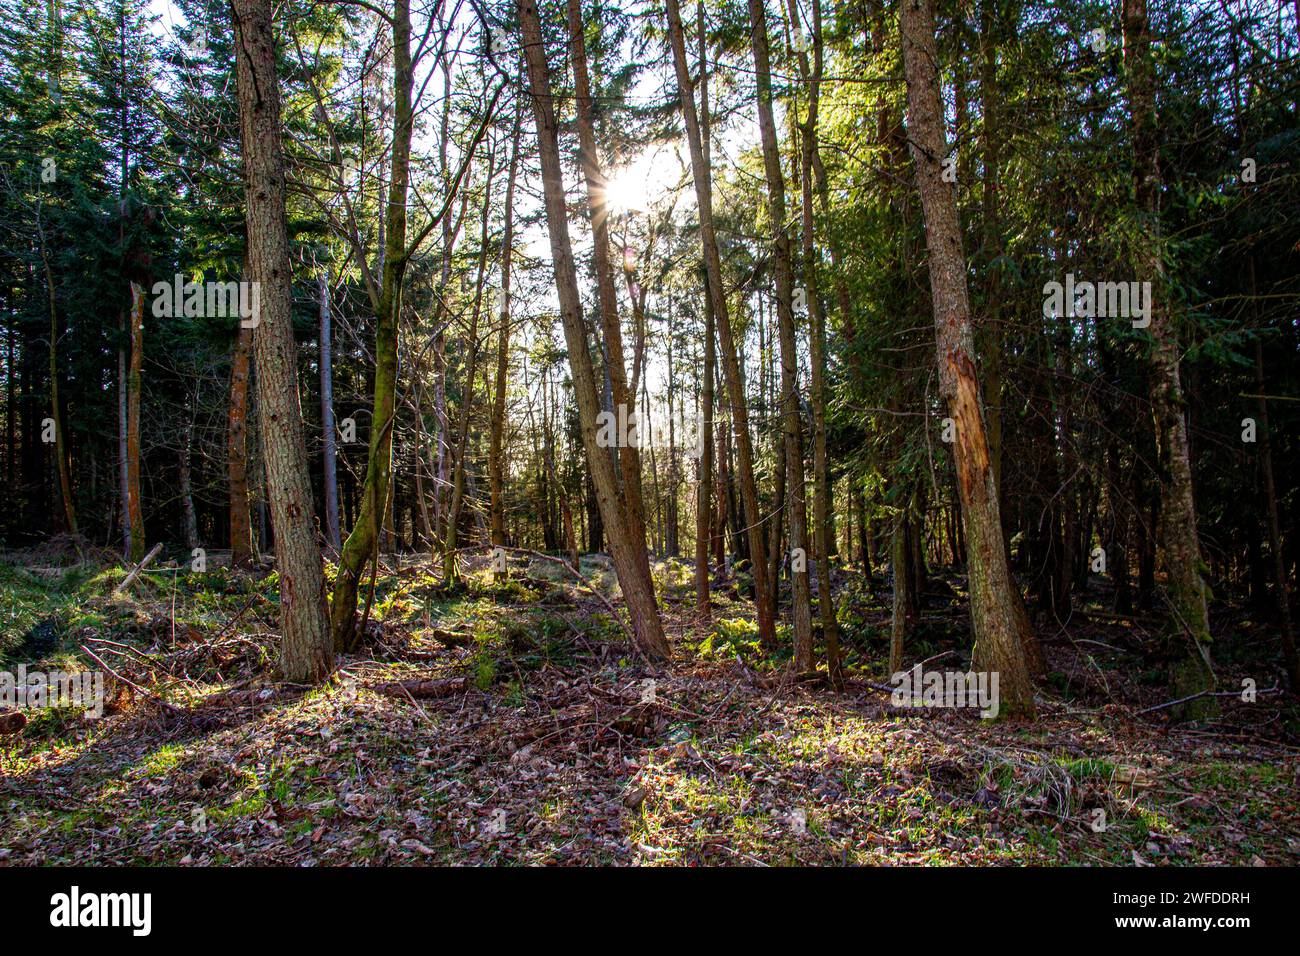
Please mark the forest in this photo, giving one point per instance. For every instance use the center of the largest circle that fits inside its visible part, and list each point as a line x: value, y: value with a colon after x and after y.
x: 645, y: 432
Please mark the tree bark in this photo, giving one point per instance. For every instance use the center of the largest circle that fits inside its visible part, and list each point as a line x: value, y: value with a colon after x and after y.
x: 1189, y: 627
x: 362, y: 545
x: 823, y: 516
x: 739, y: 414
x: 496, y: 445
x: 306, y: 653
x: 135, y: 515
x: 60, y: 440
x: 329, y: 453
x: 629, y: 455
x: 633, y: 577
x: 704, y: 489
x: 241, y: 526
x: 189, y: 519
x: 1274, y: 526
x: 998, y: 645
x: 450, y: 565
x: 123, y: 445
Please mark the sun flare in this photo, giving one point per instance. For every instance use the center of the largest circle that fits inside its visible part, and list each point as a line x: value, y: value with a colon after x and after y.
x: 643, y: 183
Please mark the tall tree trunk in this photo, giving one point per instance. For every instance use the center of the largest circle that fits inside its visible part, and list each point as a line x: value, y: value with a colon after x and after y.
x: 451, y: 567
x: 135, y: 514
x: 631, y: 568
x: 739, y: 414
x: 998, y: 644
x: 362, y: 545
x: 704, y: 525
x: 241, y: 526
x: 60, y: 441
x: 306, y: 652
x: 823, y: 517
x: 629, y: 455
x: 1189, y: 627
x: 329, y: 454
x: 904, y: 618
x: 792, y: 426
x: 123, y: 481
x: 1274, y: 526
x: 704, y: 487
x: 189, y: 519
x: 496, y: 445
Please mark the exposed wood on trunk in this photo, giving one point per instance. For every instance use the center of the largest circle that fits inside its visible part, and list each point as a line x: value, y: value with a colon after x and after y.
x: 125, y: 584
x: 998, y: 641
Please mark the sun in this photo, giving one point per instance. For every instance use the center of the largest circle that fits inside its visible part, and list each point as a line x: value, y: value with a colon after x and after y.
x: 643, y: 183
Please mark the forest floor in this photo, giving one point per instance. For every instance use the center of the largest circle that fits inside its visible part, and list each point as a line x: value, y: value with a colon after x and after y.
x: 534, y: 734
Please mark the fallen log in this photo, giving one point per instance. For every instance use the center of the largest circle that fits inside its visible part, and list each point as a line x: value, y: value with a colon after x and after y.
x: 420, y: 688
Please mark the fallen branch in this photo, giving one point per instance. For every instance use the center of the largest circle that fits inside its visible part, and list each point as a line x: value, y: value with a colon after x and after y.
x: 134, y: 686
x: 130, y: 578
x: 1205, y: 693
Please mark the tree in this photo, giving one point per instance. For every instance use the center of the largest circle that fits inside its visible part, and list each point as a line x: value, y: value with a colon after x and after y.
x: 631, y: 568
x: 998, y: 647
x: 1189, y: 617
x: 823, y: 515
x: 306, y: 651
x: 739, y: 412
x: 791, y: 423
x: 496, y: 444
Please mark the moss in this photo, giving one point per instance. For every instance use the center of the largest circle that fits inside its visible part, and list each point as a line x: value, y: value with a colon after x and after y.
x: 1192, y: 676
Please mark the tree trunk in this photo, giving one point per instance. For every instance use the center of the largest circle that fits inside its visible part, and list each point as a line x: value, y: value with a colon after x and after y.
x: 823, y: 517
x: 306, y: 653
x: 123, y: 445
x: 1189, y: 627
x: 704, y: 487
x: 704, y: 525
x: 739, y: 414
x: 904, y: 618
x: 241, y: 526
x: 451, y: 567
x: 998, y: 644
x: 1274, y: 526
x: 362, y: 545
x: 631, y: 568
x: 189, y: 520
x: 629, y: 455
x: 329, y: 453
x: 60, y: 440
x: 135, y: 515
x: 496, y: 445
